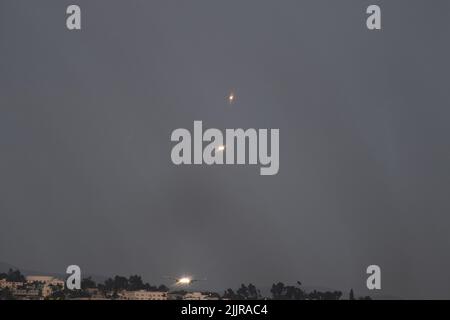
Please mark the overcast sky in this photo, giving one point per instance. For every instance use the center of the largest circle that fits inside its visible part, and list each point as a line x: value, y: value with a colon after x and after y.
x: 85, y: 121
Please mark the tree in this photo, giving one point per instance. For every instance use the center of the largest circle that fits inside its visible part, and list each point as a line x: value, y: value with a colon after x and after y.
x: 281, y: 292
x: 135, y: 283
x: 253, y: 293
x: 163, y: 288
x: 242, y: 292
x: 120, y: 283
x: 229, y: 294
x: 88, y: 283
x: 14, y: 276
x: 116, y: 284
x: 351, y: 295
x: 277, y: 291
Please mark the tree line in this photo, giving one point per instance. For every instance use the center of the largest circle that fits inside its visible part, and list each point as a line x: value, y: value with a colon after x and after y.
x: 280, y: 291
x: 112, y: 286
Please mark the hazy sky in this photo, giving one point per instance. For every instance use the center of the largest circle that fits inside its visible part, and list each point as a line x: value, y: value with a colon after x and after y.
x: 85, y: 121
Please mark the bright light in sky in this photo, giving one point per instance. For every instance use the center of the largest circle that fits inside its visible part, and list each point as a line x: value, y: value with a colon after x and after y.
x: 221, y: 148
x: 184, y: 280
x: 231, y: 98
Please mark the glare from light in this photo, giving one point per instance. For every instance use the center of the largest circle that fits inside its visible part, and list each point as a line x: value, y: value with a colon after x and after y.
x: 184, y: 280
x: 221, y: 148
x: 231, y: 98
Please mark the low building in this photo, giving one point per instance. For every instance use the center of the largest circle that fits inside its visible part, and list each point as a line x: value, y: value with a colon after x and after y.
x: 95, y: 294
x: 46, y: 280
x: 143, y: 295
x: 10, y: 285
x: 176, y: 295
x: 26, y: 293
x: 200, y: 296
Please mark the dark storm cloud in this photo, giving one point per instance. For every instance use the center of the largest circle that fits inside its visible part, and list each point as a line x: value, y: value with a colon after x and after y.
x: 86, y: 118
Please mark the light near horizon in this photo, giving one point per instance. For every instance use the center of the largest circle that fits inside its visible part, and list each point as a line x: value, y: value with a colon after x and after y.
x: 231, y: 97
x: 184, y: 280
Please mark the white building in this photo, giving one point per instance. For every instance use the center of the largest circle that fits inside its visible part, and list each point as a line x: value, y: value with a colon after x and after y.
x: 26, y: 293
x: 199, y: 296
x: 143, y: 295
x: 95, y: 294
x: 10, y: 285
x: 46, y: 280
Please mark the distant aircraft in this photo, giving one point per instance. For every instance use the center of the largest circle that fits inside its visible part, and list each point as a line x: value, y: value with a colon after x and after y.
x: 231, y: 97
x: 184, y: 281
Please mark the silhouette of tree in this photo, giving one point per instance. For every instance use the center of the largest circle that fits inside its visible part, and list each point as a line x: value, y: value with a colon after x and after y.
x: 351, y: 295
x: 163, y: 288
x: 229, y: 294
x: 13, y: 276
x: 117, y: 284
x: 120, y: 283
x: 88, y: 283
x: 242, y: 292
x: 281, y: 292
x: 253, y: 293
x: 277, y: 291
x: 135, y: 283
